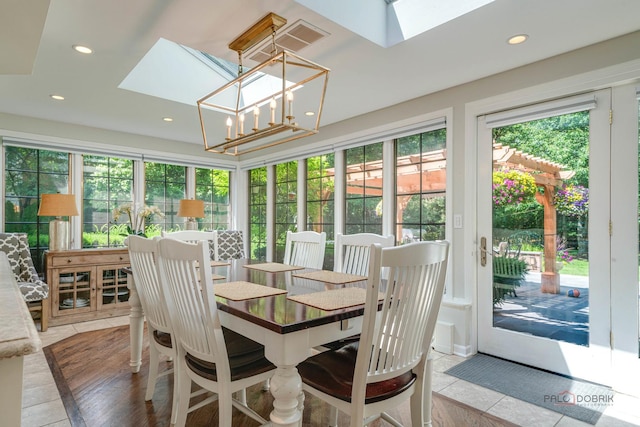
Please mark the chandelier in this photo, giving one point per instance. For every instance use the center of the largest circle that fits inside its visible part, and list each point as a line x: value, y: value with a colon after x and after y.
x: 256, y: 110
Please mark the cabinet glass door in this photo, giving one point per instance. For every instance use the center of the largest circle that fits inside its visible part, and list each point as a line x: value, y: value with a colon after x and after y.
x: 112, y: 286
x: 74, y: 292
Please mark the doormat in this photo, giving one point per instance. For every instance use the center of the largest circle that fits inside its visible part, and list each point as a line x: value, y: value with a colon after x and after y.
x: 576, y: 399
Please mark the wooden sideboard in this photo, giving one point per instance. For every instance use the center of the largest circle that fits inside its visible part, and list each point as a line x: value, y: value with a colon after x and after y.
x: 87, y: 284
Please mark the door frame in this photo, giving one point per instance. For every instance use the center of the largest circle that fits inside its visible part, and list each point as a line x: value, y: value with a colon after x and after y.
x: 624, y: 219
x: 593, y: 362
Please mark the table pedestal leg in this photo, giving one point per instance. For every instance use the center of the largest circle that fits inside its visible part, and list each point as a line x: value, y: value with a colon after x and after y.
x: 136, y: 326
x: 286, y: 387
x: 300, y: 406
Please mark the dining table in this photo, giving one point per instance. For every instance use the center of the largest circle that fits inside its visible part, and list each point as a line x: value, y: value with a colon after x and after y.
x: 299, y: 313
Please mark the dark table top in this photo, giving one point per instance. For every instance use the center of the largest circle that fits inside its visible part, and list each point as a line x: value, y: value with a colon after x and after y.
x: 278, y: 313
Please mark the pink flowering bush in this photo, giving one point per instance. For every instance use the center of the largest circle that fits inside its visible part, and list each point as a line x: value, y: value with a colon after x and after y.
x: 512, y: 186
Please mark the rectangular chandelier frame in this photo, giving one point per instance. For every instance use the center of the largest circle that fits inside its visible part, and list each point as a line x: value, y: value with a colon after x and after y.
x: 278, y: 98
x: 233, y: 145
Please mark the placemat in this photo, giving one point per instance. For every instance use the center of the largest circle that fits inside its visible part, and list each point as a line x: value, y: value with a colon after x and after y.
x: 331, y: 277
x: 238, y: 291
x: 273, y: 267
x: 215, y: 263
x: 335, y: 299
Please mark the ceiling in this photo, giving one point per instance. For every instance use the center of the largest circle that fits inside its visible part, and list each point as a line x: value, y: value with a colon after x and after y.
x: 37, y: 60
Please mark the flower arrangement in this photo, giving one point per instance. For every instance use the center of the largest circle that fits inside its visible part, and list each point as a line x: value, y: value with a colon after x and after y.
x: 572, y: 200
x: 137, y: 216
x: 512, y: 186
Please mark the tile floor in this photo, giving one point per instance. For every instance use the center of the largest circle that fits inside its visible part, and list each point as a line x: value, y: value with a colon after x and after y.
x: 42, y: 406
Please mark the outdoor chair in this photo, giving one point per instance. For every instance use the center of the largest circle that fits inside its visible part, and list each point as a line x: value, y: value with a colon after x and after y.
x: 215, y: 358
x: 34, y: 291
x: 391, y: 363
x: 508, y: 273
x: 305, y: 249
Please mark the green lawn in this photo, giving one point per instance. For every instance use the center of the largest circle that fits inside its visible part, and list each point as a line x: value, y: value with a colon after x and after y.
x: 577, y: 267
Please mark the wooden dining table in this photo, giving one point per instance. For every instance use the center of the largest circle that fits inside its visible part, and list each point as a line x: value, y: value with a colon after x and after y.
x: 288, y: 329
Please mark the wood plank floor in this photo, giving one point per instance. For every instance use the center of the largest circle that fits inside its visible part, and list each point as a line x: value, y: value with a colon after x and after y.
x: 97, y: 388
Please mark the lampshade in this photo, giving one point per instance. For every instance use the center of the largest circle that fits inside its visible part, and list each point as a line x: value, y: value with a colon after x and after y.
x: 58, y: 205
x: 191, y: 208
x: 256, y: 110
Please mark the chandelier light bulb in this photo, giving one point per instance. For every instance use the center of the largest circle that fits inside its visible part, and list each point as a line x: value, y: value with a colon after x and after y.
x: 229, y: 123
x: 290, y: 102
x: 241, y: 120
x: 256, y: 115
x: 272, y: 106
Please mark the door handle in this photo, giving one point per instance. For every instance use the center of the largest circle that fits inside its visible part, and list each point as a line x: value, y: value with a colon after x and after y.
x: 483, y: 251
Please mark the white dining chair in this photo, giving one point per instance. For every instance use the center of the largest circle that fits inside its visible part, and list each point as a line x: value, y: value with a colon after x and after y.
x: 391, y: 362
x: 228, y: 244
x: 194, y: 236
x: 351, y: 254
x: 143, y: 253
x: 305, y: 249
x: 215, y: 358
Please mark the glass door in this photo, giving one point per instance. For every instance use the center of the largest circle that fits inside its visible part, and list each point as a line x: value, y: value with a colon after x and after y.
x: 543, y: 222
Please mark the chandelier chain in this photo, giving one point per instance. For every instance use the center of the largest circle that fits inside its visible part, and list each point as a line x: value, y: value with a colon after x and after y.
x: 274, y: 49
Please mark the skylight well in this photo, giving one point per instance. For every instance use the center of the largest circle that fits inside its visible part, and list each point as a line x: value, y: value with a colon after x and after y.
x: 161, y: 73
x: 389, y: 22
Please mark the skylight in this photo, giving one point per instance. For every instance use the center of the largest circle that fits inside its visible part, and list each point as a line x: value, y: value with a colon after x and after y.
x: 182, y: 74
x: 389, y: 22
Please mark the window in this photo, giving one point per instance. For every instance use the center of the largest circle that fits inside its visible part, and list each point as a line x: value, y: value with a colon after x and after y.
x: 108, y: 184
x: 421, y: 162
x: 320, y: 200
x: 28, y: 174
x: 165, y: 185
x: 286, y: 204
x: 258, y: 213
x: 364, y: 189
x: 212, y: 186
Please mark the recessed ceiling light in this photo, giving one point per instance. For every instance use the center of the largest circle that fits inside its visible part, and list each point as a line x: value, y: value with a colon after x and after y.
x: 82, y: 49
x: 517, y: 39
x: 57, y: 97
x: 309, y: 113
x: 167, y: 119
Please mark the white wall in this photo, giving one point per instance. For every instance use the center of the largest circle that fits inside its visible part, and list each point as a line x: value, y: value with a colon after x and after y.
x: 605, y: 64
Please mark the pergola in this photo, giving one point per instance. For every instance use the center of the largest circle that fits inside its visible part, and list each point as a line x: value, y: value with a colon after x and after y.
x: 427, y: 172
x: 547, y: 175
x: 366, y: 178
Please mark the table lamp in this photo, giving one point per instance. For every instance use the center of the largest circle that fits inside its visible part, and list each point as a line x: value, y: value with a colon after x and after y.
x: 58, y: 205
x: 191, y: 209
